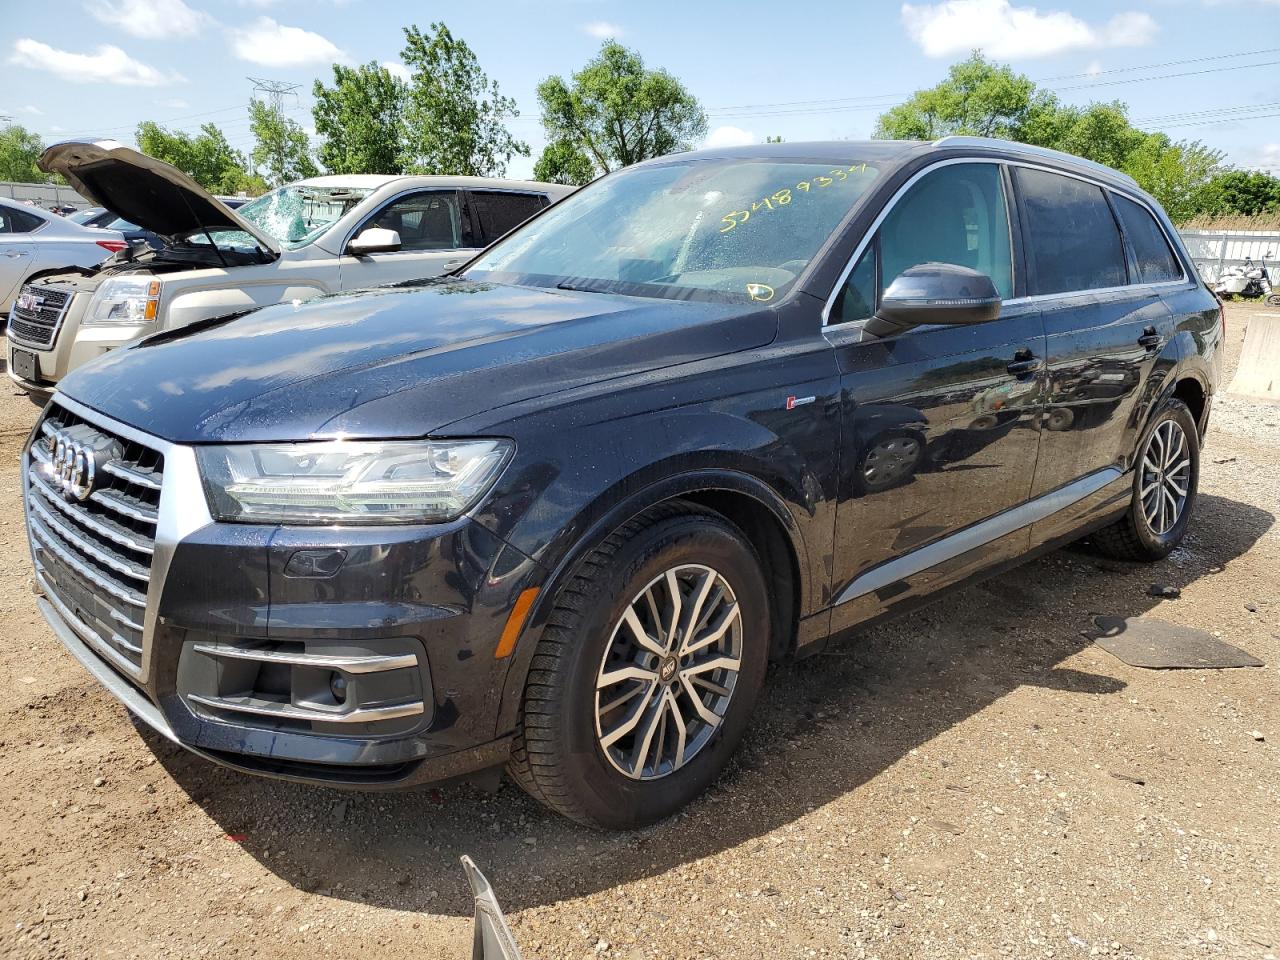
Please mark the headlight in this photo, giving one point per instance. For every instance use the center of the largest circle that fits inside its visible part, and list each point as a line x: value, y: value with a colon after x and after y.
x: 125, y: 300
x: 349, y: 482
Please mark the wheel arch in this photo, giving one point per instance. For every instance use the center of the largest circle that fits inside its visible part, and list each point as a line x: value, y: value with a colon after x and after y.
x: 745, y: 500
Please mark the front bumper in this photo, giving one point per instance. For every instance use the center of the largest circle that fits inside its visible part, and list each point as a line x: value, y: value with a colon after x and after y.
x: 73, y: 346
x: 239, y: 647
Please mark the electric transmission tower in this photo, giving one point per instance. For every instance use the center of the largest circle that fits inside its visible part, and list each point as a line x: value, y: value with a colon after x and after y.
x: 276, y: 91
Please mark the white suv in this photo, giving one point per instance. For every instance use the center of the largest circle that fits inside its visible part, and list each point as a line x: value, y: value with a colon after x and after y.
x: 313, y: 237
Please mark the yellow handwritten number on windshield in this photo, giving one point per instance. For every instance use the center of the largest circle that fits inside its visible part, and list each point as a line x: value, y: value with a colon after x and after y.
x: 735, y: 218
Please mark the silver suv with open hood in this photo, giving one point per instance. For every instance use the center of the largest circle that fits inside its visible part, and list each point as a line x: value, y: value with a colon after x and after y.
x: 316, y: 236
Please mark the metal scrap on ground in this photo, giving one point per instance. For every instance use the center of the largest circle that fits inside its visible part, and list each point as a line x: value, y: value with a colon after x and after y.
x: 1158, y: 645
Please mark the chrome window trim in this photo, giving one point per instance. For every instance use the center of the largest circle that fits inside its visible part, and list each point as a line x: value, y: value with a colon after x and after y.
x: 183, y: 509
x: 1037, y: 298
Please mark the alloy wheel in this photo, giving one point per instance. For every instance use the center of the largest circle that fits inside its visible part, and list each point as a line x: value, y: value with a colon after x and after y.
x: 1166, y: 477
x: 668, y: 674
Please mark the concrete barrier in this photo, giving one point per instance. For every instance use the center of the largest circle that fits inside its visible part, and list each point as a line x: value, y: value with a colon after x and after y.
x: 1258, y: 375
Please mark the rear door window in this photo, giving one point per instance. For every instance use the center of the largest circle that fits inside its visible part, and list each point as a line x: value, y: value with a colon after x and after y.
x: 501, y: 211
x: 1072, y: 237
x: 1153, y: 258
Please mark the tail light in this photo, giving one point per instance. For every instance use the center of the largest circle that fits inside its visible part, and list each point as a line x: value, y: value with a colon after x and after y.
x: 115, y: 246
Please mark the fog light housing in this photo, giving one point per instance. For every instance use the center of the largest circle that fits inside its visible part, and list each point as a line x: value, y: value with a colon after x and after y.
x: 338, y: 687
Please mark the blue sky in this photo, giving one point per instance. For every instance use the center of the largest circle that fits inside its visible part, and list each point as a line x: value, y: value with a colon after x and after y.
x: 801, y: 70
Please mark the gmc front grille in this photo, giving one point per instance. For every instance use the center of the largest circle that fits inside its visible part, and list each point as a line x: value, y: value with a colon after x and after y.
x: 93, y: 556
x: 36, y: 322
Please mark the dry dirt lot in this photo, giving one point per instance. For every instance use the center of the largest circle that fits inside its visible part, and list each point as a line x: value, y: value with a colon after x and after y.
x: 975, y: 780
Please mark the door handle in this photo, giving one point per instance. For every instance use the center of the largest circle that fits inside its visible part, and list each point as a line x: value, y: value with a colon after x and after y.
x: 14, y: 254
x: 1150, y: 339
x: 1024, y: 366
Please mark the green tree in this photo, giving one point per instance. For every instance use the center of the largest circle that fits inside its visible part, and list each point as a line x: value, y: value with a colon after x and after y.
x: 207, y: 157
x: 281, y: 151
x: 564, y: 162
x: 616, y: 113
x: 20, y: 148
x: 359, y: 120
x: 981, y: 98
x: 1173, y: 173
x: 455, y: 116
x: 1239, y: 193
x: 978, y: 98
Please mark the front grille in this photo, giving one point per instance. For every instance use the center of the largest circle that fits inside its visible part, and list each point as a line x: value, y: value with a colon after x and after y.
x: 93, y: 556
x: 36, y: 314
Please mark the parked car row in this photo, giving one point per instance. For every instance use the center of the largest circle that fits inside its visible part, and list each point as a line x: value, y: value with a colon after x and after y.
x: 556, y: 508
x: 36, y: 243
x: 309, y: 238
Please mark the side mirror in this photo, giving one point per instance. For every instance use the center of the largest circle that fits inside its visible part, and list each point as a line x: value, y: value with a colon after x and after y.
x: 374, y: 240
x: 935, y: 293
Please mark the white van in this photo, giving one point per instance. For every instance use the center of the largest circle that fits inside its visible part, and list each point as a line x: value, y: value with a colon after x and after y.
x: 312, y: 237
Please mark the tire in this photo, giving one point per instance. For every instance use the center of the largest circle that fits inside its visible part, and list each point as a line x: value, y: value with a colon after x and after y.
x: 1137, y: 535
x: 559, y: 756
x: 1273, y: 300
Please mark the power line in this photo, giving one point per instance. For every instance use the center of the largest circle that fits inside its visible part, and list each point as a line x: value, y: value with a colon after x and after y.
x: 878, y: 101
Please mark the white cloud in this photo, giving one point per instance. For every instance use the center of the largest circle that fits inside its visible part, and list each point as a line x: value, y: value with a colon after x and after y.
x: 1007, y: 32
x: 1265, y: 157
x: 1094, y: 68
x: 602, y: 30
x: 34, y: 111
x: 397, y: 69
x: 174, y: 103
x: 150, y: 19
x: 728, y: 137
x: 107, y: 64
x: 273, y: 44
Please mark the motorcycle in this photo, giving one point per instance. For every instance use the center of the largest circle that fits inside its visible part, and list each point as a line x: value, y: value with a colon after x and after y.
x: 1250, y: 282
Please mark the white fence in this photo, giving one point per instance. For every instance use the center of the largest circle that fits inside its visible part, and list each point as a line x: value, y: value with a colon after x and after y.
x: 1215, y: 250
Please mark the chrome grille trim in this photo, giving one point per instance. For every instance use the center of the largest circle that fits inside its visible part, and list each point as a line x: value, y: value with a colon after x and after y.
x: 82, y: 569
x: 296, y: 711
x: 114, y: 500
x: 347, y: 664
x: 88, y: 636
x: 181, y: 511
x: 136, y: 477
x: 88, y: 547
x: 121, y: 535
x: 35, y: 330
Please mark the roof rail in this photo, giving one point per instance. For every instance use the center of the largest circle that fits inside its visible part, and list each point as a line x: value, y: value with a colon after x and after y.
x: 1029, y: 150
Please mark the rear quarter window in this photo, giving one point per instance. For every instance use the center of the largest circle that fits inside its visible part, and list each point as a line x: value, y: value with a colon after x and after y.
x: 500, y: 212
x: 1072, y: 238
x: 1153, y: 258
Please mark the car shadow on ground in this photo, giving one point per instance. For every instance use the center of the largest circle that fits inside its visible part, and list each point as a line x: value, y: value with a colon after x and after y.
x: 823, y: 727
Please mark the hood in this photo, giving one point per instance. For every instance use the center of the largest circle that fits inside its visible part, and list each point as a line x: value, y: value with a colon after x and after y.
x: 397, y: 362
x: 143, y: 190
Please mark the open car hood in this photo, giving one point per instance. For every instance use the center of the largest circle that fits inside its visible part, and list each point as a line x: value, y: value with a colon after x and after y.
x: 143, y: 190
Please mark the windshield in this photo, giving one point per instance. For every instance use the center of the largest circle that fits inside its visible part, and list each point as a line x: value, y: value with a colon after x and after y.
x: 294, y: 215
x: 697, y: 229
x: 83, y: 216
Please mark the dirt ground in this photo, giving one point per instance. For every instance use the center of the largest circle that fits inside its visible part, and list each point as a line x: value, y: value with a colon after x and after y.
x: 974, y: 780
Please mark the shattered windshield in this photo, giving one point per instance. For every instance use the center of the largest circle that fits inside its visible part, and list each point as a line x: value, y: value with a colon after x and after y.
x: 294, y: 215
x: 699, y: 229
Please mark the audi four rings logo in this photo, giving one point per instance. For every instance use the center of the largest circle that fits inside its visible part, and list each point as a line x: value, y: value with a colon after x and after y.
x: 74, y: 466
